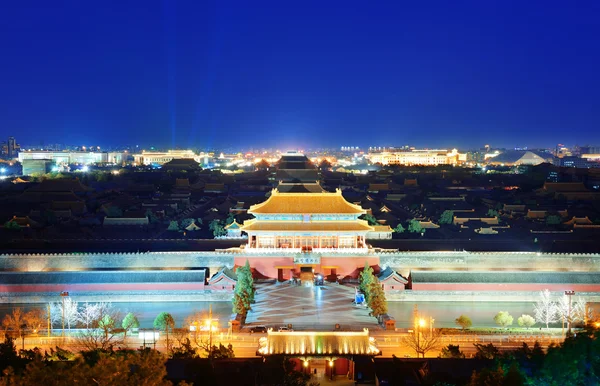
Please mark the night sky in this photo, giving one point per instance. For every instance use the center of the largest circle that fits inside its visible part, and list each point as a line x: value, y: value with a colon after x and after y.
x: 300, y: 73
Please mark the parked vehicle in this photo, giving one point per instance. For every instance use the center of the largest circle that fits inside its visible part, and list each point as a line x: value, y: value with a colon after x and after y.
x: 285, y: 329
x: 258, y: 329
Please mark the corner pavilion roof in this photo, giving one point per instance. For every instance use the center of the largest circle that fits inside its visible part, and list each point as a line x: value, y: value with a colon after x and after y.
x: 311, y: 226
x: 306, y: 203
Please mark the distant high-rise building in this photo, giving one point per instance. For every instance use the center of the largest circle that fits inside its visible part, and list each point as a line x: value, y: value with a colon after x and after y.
x: 10, y: 148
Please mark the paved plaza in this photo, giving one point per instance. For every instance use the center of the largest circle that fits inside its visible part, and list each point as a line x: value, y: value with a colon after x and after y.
x: 308, y: 308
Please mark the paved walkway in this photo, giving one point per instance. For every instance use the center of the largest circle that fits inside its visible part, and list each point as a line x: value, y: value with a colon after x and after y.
x: 308, y: 308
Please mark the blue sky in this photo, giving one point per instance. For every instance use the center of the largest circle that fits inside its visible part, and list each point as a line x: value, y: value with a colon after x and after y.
x: 300, y: 73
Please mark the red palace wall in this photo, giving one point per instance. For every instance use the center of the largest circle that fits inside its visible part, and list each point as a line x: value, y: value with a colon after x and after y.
x: 504, y: 287
x: 103, y: 287
x: 266, y: 266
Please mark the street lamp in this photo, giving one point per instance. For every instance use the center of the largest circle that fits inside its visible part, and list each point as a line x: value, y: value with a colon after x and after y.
x: 570, y: 295
x: 331, y: 364
x: 63, y: 295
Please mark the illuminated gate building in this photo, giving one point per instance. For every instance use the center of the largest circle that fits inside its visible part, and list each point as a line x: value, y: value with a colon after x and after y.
x: 301, y: 232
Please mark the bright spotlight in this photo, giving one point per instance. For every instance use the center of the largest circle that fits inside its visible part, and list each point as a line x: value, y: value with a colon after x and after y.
x: 2, y: 170
x: 85, y: 168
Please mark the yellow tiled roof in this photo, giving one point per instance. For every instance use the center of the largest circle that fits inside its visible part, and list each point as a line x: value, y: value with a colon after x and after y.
x: 306, y: 203
x: 312, y: 226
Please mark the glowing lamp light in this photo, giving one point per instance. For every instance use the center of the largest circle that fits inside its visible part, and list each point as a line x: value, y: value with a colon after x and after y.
x: 2, y: 170
x: 330, y: 363
x: 422, y: 322
x: 85, y: 169
x: 305, y: 363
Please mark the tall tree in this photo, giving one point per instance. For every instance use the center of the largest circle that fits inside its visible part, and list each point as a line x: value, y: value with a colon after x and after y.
x: 15, y: 323
x: 463, y: 321
x: 422, y: 340
x: 447, y: 217
x: 103, y: 332
x: 399, y: 228
x: 68, y: 309
x: 243, y: 294
x: 165, y: 322
x: 545, y: 309
x: 369, y: 218
x: 217, y: 228
x: 365, y: 278
x: 87, y: 313
x: 130, y: 321
x: 35, y: 320
x: 414, y: 226
x: 526, y: 321
x: 377, y: 301
x: 503, y: 319
x: 571, y: 310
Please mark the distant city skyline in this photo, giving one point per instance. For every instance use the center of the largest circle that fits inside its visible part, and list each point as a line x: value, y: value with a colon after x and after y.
x: 258, y: 146
x: 206, y: 74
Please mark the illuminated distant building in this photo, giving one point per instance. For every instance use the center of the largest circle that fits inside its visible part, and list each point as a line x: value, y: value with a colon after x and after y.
x: 10, y: 148
x: 419, y: 157
x: 160, y: 158
x: 521, y: 157
x: 72, y: 157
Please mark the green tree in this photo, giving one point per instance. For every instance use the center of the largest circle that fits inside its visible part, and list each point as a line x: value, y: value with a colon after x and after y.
x: 12, y: 225
x: 376, y: 299
x: 243, y: 294
x: 230, y: 219
x: 414, y: 226
x: 526, y: 321
x: 217, y: 228
x: 173, y: 226
x: 165, y: 322
x: 365, y: 278
x: 447, y: 217
x: 129, y: 322
x: 152, y: 218
x: 199, y: 221
x: 553, y: 220
x: 452, y: 351
x: 186, y: 222
x: 369, y: 218
x: 399, y: 228
x: 503, y: 319
x: 463, y: 321
x: 493, y: 213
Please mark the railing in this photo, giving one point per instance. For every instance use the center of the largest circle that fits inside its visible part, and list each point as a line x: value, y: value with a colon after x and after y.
x: 340, y: 250
x: 300, y: 250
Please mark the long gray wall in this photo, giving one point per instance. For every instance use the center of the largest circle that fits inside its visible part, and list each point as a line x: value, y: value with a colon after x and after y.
x: 404, y: 262
x: 95, y: 261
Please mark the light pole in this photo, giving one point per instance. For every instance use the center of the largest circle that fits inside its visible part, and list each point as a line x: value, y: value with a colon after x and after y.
x: 63, y: 295
x: 570, y: 295
x: 331, y: 364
